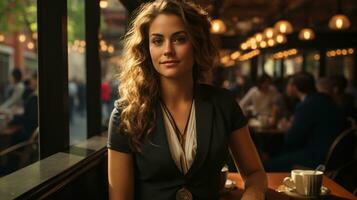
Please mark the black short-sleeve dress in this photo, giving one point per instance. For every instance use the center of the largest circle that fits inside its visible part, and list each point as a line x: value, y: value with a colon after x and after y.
x: 156, y: 175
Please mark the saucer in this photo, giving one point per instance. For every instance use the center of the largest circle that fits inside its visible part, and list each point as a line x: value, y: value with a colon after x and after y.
x: 292, y: 192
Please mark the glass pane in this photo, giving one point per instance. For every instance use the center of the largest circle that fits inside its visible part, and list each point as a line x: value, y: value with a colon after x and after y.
x: 313, y: 63
x: 113, y: 24
x: 18, y: 85
x: 293, y: 65
x: 76, y: 71
x: 340, y: 61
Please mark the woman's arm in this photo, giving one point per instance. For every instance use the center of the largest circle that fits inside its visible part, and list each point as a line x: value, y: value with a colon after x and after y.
x: 249, y: 164
x: 120, y: 175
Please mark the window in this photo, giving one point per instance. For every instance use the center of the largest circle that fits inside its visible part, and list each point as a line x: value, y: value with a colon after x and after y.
x: 18, y: 85
x: 77, y: 71
x: 113, y: 24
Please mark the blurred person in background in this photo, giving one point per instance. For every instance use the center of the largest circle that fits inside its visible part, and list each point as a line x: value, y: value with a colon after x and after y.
x: 73, y: 98
x: 263, y: 99
x: 14, y: 102
x: 28, y: 121
x: 81, y: 94
x: 105, y: 94
x: 240, y: 85
x: 344, y: 101
x: 315, y: 124
x: 324, y: 86
x: 22, y: 126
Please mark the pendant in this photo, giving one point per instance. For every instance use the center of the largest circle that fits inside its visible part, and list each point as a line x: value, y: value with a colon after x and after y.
x: 183, y: 194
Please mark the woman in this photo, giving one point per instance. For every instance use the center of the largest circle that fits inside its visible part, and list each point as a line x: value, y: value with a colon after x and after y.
x: 169, y: 135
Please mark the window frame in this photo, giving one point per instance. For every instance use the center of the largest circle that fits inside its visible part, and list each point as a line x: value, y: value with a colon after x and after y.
x: 53, y: 74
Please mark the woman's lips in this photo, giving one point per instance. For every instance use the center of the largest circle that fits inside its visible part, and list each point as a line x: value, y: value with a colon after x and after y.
x: 169, y: 62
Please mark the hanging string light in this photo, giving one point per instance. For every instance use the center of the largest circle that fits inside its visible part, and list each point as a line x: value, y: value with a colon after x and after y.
x: 103, y: 4
x: 263, y: 44
x: 235, y: 55
x: 271, y: 42
x: 280, y: 38
x: 2, y: 38
x: 34, y: 35
x: 22, y: 37
x: 258, y: 37
x: 269, y: 32
x: 30, y: 45
x: 244, y: 46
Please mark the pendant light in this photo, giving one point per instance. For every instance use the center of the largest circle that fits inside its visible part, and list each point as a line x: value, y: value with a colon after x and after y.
x: 218, y: 26
x: 283, y: 26
x: 339, y: 21
x: 307, y: 33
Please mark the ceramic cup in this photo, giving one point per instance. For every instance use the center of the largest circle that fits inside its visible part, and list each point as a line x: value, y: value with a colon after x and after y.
x: 305, y: 182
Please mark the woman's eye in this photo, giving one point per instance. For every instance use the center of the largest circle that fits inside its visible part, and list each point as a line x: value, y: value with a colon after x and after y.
x: 156, y: 41
x: 180, y: 40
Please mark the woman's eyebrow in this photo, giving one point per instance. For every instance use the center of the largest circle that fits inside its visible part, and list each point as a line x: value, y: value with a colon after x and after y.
x: 174, y: 34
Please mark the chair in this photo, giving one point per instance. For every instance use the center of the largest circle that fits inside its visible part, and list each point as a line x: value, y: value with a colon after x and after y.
x: 341, y: 151
x: 346, y: 176
x: 20, y: 154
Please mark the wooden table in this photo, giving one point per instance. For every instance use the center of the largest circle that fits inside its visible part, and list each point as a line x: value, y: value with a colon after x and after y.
x: 275, y: 179
x: 256, y: 127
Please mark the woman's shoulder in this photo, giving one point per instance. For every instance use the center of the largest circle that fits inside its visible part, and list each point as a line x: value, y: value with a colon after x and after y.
x: 116, y: 112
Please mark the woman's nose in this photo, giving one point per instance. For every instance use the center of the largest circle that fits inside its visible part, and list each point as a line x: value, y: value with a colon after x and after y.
x: 169, y: 49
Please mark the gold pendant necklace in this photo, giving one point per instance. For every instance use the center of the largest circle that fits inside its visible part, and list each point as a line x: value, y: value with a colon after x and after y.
x: 183, y: 194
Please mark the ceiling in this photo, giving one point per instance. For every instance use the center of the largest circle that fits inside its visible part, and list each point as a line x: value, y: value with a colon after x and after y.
x: 245, y: 17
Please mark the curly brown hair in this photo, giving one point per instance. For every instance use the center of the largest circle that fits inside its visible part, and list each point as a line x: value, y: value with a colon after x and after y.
x: 139, y: 87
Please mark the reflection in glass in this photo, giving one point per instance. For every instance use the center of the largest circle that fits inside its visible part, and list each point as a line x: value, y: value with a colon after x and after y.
x: 18, y: 85
x: 113, y: 23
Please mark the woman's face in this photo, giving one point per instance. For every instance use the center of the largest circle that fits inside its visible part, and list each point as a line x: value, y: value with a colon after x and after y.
x: 170, y: 47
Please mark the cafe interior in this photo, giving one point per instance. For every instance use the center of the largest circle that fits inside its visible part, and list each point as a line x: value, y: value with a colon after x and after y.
x: 290, y: 65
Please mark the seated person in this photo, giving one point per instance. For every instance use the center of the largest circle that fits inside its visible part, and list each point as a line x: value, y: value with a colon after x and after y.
x: 316, y: 123
x: 263, y: 99
x: 14, y: 101
x: 25, y: 124
x: 344, y: 101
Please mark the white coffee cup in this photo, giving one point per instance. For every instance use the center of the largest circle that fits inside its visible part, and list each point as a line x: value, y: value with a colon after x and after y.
x: 305, y: 182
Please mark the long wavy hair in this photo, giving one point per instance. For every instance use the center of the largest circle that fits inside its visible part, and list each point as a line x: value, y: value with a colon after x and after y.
x: 139, y: 87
